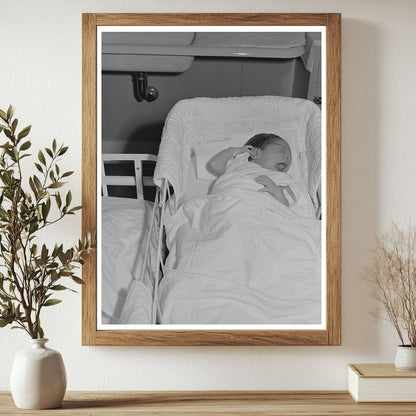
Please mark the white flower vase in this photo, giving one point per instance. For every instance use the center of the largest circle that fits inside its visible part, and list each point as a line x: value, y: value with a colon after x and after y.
x: 38, y: 377
x: 405, y: 358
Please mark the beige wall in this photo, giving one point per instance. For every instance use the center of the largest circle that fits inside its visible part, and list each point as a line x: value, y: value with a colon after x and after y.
x: 41, y: 75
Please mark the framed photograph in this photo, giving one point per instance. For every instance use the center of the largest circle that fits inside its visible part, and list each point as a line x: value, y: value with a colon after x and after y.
x: 211, y: 172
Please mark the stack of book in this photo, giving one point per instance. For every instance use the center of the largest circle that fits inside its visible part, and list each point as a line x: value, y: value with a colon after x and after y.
x: 381, y: 383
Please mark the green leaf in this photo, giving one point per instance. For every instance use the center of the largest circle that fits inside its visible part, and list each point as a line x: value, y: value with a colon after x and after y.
x: 41, y: 157
x: 5, y: 321
x: 63, y: 151
x: 49, y: 152
x: 14, y: 125
x: 37, y: 182
x: 33, y: 187
x: 54, y: 145
x: 67, y: 174
x: 45, y: 211
x: 55, y: 251
x: 25, y: 146
x: 68, y: 199
x: 62, y: 257
x: 77, y: 208
x: 10, y: 112
x: 40, y: 332
x: 58, y: 199
x: 3, y: 115
x: 60, y: 250
x: 24, y: 132
x: 44, y: 253
x: 51, y: 302
x: 39, y: 167
x: 59, y: 287
x: 8, y: 133
x: 33, y: 227
x: 56, y: 185
x: 76, y: 279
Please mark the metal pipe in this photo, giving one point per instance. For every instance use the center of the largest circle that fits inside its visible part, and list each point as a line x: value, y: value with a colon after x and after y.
x: 141, y: 90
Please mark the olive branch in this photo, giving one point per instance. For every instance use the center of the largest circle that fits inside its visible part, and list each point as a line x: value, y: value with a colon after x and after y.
x: 30, y: 274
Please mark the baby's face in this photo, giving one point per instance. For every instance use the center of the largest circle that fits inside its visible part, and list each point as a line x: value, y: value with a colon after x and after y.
x: 276, y: 156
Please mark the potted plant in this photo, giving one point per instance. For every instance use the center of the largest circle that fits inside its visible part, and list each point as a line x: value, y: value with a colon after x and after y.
x: 31, y: 273
x: 393, y: 277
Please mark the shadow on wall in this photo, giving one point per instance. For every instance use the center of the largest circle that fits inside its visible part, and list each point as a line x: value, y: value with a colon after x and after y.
x: 361, y: 129
x: 144, y: 139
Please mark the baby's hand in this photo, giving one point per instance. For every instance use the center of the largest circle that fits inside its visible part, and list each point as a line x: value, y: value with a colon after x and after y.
x: 243, y: 149
x: 269, y: 185
x: 276, y: 191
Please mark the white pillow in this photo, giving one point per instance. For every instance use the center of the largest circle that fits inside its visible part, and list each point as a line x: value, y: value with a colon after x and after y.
x: 203, y: 152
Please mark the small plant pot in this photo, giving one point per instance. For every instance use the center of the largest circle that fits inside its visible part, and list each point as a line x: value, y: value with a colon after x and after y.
x: 405, y: 358
x: 38, y: 377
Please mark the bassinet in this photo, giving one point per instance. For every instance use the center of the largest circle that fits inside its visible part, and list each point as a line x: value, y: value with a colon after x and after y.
x: 198, y: 120
x: 232, y: 120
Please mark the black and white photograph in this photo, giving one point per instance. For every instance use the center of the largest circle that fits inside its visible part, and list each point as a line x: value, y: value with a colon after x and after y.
x: 211, y: 187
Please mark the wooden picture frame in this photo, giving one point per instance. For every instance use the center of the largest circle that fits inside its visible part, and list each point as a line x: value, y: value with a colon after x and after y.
x: 331, y: 335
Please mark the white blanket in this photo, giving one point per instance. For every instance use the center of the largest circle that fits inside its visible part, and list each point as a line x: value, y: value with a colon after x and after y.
x: 241, y: 257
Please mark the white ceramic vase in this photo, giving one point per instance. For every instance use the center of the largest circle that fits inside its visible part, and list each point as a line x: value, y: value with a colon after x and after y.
x: 38, y: 377
x: 405, y: 358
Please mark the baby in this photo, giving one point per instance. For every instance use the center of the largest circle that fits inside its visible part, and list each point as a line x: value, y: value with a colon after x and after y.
x: 272, y: 156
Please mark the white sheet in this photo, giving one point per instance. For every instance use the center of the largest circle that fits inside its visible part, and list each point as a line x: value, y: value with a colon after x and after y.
x: 241, y: 257
x: 124, y: 230
x: 241, y: 174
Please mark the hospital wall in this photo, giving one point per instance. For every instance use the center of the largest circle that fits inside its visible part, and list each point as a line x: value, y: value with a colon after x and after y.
x: 130, y: 126
x: 41, y: 75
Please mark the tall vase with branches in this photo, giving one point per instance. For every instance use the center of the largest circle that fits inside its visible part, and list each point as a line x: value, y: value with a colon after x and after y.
x: 31, y: 272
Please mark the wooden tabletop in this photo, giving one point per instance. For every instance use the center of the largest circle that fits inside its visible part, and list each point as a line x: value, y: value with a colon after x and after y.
x: 212, y: 403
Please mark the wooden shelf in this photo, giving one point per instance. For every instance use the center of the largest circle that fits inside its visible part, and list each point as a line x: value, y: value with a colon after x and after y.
x: 180, y: 403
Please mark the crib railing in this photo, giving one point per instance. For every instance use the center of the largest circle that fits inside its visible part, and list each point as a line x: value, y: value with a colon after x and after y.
x: 157, y: 232
x: 160, y: 206
x: 138, y: 180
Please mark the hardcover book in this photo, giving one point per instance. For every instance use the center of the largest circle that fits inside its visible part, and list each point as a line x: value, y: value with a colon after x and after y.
x: 381, y: 383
